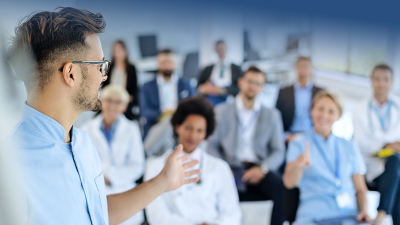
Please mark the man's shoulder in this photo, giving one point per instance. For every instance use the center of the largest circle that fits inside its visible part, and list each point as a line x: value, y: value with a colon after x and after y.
x: 224, y: 107
x: 286, y: 88
x: 150, y: 83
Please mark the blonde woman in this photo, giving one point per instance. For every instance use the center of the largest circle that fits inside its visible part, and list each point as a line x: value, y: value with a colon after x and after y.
x: 328, y: 170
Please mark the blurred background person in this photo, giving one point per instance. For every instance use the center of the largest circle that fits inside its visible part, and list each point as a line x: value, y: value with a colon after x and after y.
x: 328, y: 170
x: 294, y: 101
x: 219, y: 80
x: 250, y: 138
x: 123, y: 73
x: 119, y: 144
x: 214, y: 199
x: 376, y: 123
x: 160, y: 96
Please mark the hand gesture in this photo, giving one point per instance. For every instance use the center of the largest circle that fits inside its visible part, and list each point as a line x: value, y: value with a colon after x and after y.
x: 303, y: 160
x: 174, y: 170
x: 363, y: 217
x: 253, y: 175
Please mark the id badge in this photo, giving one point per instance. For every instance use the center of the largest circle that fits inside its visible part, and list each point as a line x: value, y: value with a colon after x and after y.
x: 344, y: 200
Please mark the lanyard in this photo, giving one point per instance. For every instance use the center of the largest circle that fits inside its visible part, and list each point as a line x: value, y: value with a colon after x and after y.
x: 382, y: 119
x: 334, y: 170
x: 245, y: 127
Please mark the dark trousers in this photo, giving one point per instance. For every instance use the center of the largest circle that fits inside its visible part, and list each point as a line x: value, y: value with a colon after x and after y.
x: 388, y: 185
x: 269, y: 188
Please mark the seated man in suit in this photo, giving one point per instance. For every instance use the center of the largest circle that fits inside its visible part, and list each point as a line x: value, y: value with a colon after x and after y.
x: 219, y: 80
x: 294, y: 101
x: 250, y: 138
x: 160, y: 96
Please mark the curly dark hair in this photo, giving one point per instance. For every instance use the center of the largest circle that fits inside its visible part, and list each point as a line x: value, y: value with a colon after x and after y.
x: 52, y: 39
x: 195, y: 106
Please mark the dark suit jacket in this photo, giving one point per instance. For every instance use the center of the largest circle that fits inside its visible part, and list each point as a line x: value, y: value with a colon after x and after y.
x: 236, y: 73
x: 150, y: 101
x: 131, y: 87
x: 286, y: 104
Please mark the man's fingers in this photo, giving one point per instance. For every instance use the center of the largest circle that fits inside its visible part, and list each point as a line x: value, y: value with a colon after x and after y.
x: 191, y: 173
x: 189, y: 164
x: 183, y: 158
x: 307, y: 148
x: 246, y: 177
x: 178, y: 150
x: 193, y: 180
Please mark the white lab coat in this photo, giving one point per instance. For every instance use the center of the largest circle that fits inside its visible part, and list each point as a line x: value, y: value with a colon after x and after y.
x: 214, y: 201
x: 370, y: 136
x: 128, y: 153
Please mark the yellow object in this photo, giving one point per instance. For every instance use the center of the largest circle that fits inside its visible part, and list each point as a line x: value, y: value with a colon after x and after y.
x: 384, y: 153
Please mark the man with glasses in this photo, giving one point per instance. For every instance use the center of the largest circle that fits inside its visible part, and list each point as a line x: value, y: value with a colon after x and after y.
x: 250, y: 138
x: 62, y: 178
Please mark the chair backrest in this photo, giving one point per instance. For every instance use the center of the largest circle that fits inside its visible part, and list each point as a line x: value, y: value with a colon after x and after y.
x: 191, y: 66
x: 148, y: 45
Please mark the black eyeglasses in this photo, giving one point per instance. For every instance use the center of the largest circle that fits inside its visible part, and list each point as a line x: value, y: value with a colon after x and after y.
x: 104, y: 68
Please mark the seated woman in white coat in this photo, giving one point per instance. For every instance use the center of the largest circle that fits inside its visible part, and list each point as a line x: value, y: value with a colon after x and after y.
x: 212, y: 200
x: 119, y: 144
x: 376, y: 123
x: 328, y: 170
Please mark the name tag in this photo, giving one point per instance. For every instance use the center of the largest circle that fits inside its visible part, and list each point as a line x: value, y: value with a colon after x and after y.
x: 344, y: 200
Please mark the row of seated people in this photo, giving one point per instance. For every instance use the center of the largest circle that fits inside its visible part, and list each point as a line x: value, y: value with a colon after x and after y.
x: 157, y: 97
x: 246, y: 146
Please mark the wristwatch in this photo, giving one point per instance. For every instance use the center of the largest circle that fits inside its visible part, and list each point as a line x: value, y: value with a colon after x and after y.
x: 264, y: 168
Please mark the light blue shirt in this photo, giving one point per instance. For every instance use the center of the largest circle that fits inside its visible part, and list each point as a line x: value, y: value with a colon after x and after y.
x: 63, y: 182
x: 318, y: 188
x: 302, y: 101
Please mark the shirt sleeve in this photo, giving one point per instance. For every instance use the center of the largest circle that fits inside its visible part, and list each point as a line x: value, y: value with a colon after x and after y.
x: 294, y: 150
x: 358, y: 164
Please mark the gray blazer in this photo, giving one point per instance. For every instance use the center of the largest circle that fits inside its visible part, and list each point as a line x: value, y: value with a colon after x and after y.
x: 268, y: 137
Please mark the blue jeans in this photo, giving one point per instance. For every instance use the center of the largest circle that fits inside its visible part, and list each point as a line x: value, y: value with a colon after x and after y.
x: 388, y: 185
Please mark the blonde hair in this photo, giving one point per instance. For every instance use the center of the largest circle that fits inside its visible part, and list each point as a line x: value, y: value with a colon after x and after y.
x: 336, y: 97
x: 115, y: 90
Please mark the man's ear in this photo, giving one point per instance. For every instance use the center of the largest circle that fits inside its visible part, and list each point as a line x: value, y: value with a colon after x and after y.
x: 69, y: 74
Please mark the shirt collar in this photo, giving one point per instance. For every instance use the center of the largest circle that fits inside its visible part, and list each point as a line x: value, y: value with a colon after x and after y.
x: 240, y: 105
x: 112, y: 128
x: 377, y: 105
x: 161, y: 80
x: 321, y: 138
x: 40, y: 123
x: 196, y: 154
x: 308, y: 87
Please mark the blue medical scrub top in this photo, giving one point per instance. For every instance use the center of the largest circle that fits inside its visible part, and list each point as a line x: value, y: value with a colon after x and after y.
x: 318, y: 188
x: 63, y: 182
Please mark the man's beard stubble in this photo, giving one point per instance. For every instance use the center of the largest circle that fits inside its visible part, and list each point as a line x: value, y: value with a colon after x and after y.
x: 83, y: 101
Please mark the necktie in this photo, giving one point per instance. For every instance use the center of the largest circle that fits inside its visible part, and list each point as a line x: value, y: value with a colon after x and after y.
x: 221, y: 74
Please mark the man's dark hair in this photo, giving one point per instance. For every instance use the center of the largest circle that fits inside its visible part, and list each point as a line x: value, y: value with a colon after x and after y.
x: 165, y: 51
x: 254, y: 69
x: 219, y: 42
x: 51, y: 39
x: 382, y: 67
x: 195, y: 106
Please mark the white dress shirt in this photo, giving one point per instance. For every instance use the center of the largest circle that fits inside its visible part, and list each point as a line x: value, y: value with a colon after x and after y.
x: 214, y: 200
x: 168, y: 92
x: 247, y: 120
x: 224, y: 69
x: 369, y: 134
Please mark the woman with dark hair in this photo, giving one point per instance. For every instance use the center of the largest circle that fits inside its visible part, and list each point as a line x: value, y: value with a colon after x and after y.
x: 123, y: 73
x: 212, y: 200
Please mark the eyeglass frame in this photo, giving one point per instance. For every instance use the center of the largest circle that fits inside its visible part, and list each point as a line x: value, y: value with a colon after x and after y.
x: 92, y: 63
